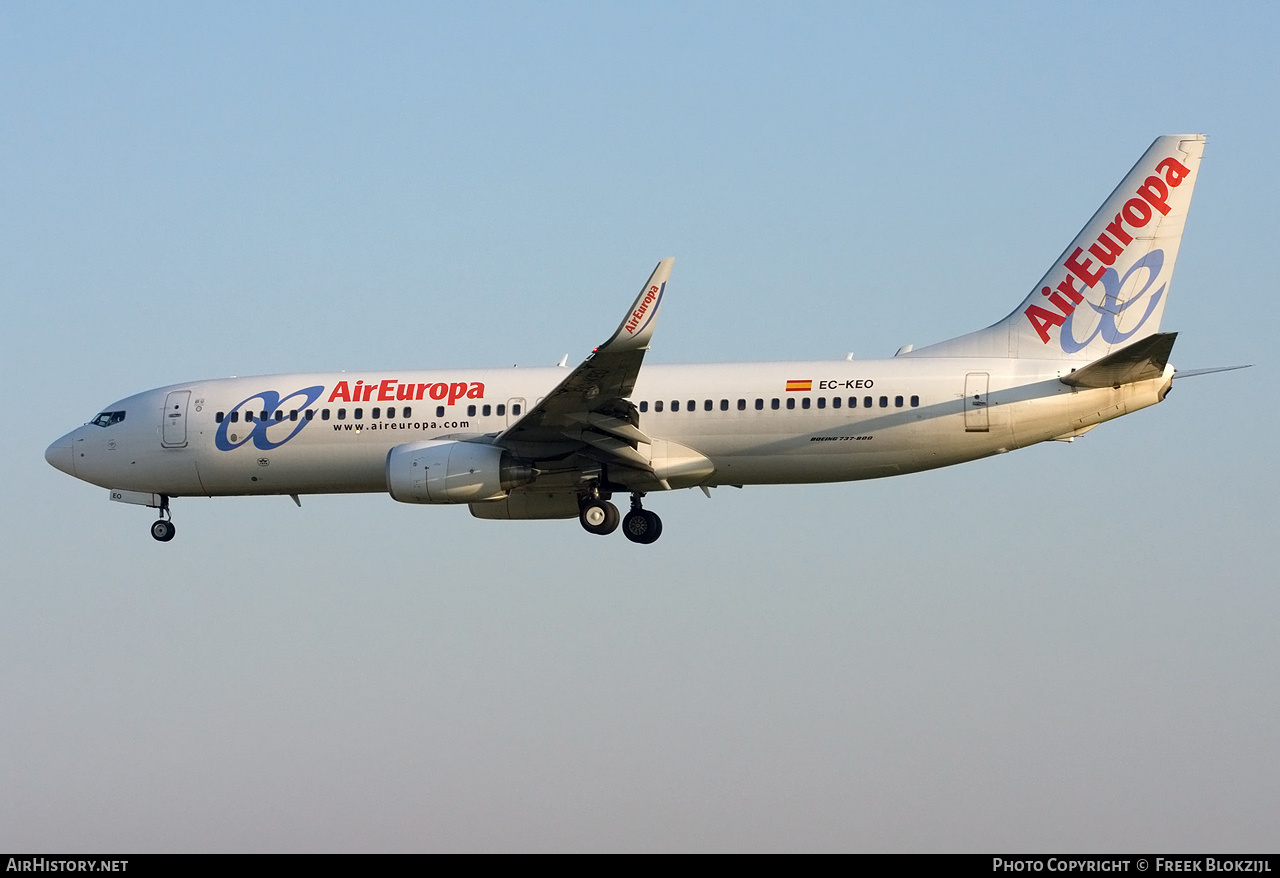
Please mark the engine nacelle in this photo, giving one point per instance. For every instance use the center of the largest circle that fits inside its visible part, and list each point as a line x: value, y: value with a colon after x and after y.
x: 447, y: 471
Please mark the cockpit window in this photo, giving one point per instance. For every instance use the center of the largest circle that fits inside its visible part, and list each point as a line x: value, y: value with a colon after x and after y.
x: 106, y: 419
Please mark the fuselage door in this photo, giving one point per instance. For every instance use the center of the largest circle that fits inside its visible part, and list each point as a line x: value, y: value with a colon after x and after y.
x: 173, y: 431
x: 976, y: 417
x: 515, y: 410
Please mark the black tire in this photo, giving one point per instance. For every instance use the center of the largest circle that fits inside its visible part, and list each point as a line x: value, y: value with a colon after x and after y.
x: 642, y: 526
x: 163, y: 530
x: 599, y: 517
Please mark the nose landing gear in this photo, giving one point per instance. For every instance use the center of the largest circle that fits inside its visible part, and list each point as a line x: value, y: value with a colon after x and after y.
x: 163, y: 529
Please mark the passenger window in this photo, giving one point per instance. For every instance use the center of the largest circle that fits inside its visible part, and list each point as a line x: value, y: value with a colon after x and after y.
x: 657, y: 405
x: 391, y: 411
x: 675, y: 405
x: 822, y: 402
x: 773, y: 404
x: 791, y: 402
x: 311, y: 414
x: 867, y: 402
x: 853, y: 402
x: 759, y: 405
x: 324, y: 414
x: 375, y: 413
x: 279, y: 415
x: 266, y: 416
x: 408, y: 412
x: 915, y: 401
x: 439, y: 411
x: 835, y: 402
x: 884, y: 402
x: 693, y: 405
x: 742, y: 405
x: 359, y: 413
x: 897, y: 402
x: 707, y: 405
x: 644, y: 405
x: 235, y: 416
x: 515, y: 408
x: 805, y: 403
x: 502, y: 410
x: 248, y: 417
x: 724, y: 405
x: 471, y: 411
x: 342, y: 414
x: 486, y: 410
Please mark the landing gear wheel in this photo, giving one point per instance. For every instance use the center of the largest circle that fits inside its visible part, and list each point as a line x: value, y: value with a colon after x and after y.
x: 642, y: 526
x: 163, y: 530
x: 599, y: 517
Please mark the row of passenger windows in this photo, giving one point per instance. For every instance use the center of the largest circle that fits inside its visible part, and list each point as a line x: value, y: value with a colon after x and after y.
x: 709, y: 405
x: 358, y: 414
x: 500, y: 410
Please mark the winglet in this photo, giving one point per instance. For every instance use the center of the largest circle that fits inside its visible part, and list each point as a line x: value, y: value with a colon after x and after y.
x: 637, y: 327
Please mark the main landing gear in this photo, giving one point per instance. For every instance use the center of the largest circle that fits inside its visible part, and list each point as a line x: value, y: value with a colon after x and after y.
x: 640, y: 525
x: 599, y: 516
x: 162, y: 529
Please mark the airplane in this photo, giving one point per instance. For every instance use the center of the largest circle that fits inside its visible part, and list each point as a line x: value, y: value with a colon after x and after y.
x: 1083, y: 347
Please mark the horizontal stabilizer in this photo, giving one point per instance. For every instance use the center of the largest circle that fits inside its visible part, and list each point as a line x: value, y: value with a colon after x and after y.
x: 1191, y: 373
x: 1140, y: 361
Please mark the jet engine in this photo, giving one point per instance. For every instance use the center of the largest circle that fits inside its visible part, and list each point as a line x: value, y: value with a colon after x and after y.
x: 447, y: 471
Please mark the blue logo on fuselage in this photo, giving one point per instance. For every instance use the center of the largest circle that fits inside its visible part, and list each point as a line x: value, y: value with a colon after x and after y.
x: 258, y: 431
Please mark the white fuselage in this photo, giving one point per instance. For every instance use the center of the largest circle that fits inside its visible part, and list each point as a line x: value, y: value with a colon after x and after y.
x: 857, y: 419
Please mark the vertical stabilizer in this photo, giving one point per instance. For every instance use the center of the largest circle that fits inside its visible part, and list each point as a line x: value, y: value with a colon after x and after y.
x: 1109, y: 287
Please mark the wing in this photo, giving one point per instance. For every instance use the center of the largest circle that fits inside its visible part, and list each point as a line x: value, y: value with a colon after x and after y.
x: 588, y: 412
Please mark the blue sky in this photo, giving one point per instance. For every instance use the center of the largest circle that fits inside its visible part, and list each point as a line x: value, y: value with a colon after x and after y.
x: 1072, y: 647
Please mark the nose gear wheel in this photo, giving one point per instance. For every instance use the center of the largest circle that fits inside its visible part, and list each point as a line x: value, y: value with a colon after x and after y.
x: 162, y: 528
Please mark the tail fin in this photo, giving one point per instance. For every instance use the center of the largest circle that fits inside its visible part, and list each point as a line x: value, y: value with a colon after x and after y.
x: 1110, y: 286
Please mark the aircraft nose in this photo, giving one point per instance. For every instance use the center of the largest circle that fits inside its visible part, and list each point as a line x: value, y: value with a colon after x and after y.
x: 60, y: 456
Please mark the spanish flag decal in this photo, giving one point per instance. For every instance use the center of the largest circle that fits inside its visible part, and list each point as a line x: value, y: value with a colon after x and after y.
x: 799, y: 385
